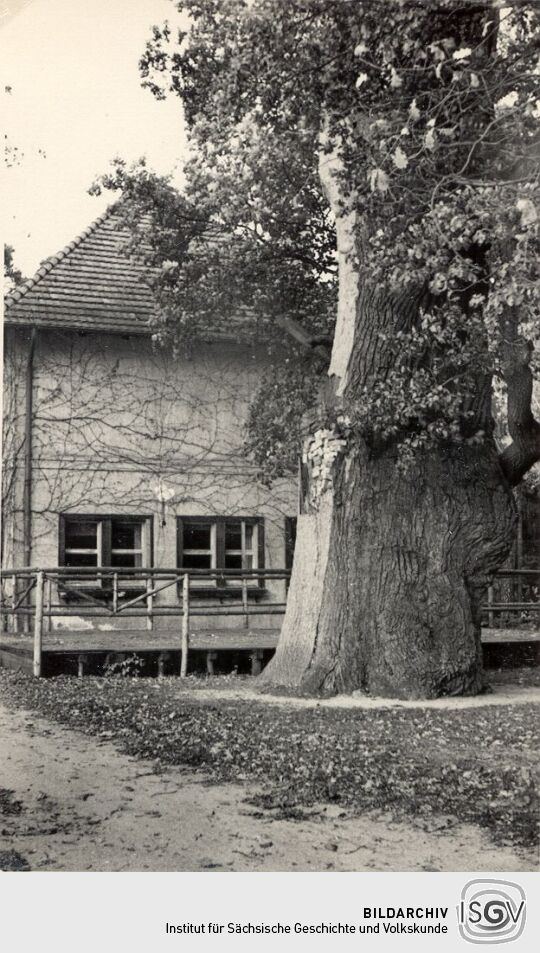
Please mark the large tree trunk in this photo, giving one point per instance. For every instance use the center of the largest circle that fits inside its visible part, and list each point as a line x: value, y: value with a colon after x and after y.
x: 390, y: 565
x: 389, y: 573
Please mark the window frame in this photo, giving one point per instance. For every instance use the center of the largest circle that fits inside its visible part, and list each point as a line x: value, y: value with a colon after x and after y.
x: 219, y: 586
x: 104, y: 546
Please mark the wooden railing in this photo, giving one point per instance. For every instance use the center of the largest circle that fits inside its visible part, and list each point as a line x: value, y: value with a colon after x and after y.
x: 513, y: 598
x: 32, y: 597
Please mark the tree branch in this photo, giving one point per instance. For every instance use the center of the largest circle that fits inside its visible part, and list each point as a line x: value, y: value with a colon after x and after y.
x: 294, y: 328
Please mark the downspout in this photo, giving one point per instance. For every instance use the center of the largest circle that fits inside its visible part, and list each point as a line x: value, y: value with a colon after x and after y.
x: 28, y: 457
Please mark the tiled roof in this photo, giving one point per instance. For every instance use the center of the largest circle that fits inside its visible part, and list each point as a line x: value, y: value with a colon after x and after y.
x: 92, y: 284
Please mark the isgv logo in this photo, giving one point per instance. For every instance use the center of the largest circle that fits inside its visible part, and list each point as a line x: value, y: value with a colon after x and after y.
x: 491, y: 911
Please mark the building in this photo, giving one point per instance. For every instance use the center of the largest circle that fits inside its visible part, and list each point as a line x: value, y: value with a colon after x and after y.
x: 118, y: 453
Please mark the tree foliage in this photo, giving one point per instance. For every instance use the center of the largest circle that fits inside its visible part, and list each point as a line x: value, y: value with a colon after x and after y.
x: 431, y: 109
x: 274, y: 425
x: 13, y: 276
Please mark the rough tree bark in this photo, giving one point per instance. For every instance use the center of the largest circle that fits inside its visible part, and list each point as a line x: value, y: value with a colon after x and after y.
x: 389, y: 566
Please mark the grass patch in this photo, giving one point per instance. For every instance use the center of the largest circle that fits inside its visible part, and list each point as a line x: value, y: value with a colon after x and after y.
x: 475, y: 765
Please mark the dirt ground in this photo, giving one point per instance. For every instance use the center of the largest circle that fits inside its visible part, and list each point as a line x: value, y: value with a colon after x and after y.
x: 84, y: 806
x: 504, y: 694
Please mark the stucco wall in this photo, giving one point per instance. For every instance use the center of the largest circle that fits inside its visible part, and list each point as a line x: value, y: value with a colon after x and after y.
x: 115, y: 418
x: 16, y: 346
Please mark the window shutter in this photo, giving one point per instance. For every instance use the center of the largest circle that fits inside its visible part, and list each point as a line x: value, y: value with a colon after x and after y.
x: 105, y: 557
x: 62, y: 541
x: 179, y: 542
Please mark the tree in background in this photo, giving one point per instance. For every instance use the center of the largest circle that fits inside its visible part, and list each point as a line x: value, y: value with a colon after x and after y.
x: 409, y: 131
x: 12, y: 275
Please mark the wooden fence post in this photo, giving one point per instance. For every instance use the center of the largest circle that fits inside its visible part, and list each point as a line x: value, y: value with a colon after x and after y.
x: 210, y: 659
x: 49, y: 605
x: 115, y: 592
x: 163, y: 658
x: 185, y: 625
x: 149, y: 604
x: 14, y: 604
x: 245, y: 605
x: 256, y: 662
x: 38, y: 623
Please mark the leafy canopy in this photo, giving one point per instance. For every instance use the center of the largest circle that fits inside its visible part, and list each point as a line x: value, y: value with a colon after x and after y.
x: 432, y: 109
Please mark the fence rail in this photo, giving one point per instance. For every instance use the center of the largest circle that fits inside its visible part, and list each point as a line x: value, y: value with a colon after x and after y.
x: 41, y: 594
x: 38, y: 595
x: 512, y: 598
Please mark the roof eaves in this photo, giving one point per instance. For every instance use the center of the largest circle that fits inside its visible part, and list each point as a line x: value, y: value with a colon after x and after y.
x: 122, y: 328
x: 21, y: 290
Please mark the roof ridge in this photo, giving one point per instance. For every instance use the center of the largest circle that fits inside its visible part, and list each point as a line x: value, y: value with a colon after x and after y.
x: 21, y: 290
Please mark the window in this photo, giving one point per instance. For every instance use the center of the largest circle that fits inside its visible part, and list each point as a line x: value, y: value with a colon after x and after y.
x: 199, y: 545
x: 82, y: 543
x: 127, y: 543
x: 123, y: 542
x: 221, y: 543
x: 241, y: 545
